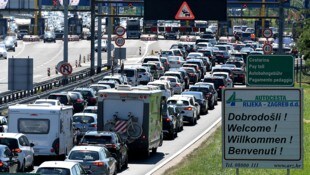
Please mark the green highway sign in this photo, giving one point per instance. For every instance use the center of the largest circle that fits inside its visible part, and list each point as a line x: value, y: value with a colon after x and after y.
x: 270, y: 70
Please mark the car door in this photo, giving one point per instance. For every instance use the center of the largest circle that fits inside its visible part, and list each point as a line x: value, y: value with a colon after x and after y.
x: 27, y: 149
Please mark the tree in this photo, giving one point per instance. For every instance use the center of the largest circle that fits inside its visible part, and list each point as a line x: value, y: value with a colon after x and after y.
x: 303, y: 42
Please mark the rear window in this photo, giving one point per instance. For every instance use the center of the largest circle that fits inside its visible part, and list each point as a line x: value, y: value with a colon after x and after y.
x: 85, y: 94
x: 83, y: 119
x: 62, y: 98
x: 149, y: 59
x: 84, y: 155
x: 217, y: 82
x: 200, y: 89
x: 10, y: 142
x: 53, y: 171
x: 33, y: 126
x: 90, y: 139
x: 141, y: 70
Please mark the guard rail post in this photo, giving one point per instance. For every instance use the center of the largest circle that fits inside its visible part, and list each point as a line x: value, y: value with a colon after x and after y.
x: 48, y: 71
x: 80, y: 60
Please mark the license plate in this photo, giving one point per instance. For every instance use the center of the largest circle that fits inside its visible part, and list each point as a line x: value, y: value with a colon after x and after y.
x: 86, y: 166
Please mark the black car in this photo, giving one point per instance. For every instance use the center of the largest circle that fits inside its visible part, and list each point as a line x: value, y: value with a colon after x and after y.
x: 207, y: 92
x: 172, y: 122
x: 112, y: 141
x: 171, y: 35
x: 63, y: 97
x: 219, y: 83
x: 59, y: 34
x: 49, y: 37
x: 200, y: 99
x: 221, y: 56
x: 88, y: 94
x: 78, y: 101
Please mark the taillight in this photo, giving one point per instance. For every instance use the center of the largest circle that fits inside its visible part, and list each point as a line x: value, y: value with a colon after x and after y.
x: 79, y: 101
x: 177, y: 85
x: 208, y: 96
x: 1, y: 164
x: 241, y: 75
x: 17, y: 150
x: 179, y: 62
x: 221, y: 87
x: 98, y: 163
x: 168, y: 120
x: 93, y: 100
x: 94, y: 125
x: 161, y: 68
x: 188, y: 108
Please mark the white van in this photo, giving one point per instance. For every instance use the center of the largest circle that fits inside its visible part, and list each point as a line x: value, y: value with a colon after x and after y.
x: 132, y: 75
x: 47, y: 126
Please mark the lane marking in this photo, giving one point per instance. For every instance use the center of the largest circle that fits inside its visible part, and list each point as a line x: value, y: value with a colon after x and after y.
x: 184, y: 148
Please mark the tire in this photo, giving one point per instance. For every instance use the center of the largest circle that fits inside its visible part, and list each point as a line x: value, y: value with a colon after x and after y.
x: 119, y: 166
x: 125, y: 166
x: 109, y: 126
x: 171, y: 135
x: 134, y: 131
x: 146, y: 153
x: 31, y: 167
x: 193, y: 121
x: 154, y: 150
x: 22, y: 167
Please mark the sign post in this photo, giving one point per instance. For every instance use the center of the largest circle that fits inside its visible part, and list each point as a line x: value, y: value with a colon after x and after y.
x: 262, y: 128
x: 271, y: 70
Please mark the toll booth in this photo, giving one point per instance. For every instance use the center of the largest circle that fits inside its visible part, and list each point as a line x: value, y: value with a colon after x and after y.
x: 3, y: 28
x: 40, y: 26
x: 75, y: 26
x: 150, y: 26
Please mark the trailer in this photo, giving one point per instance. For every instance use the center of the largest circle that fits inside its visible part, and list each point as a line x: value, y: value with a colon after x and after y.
x: 135, y: 113
x: 48, y: 126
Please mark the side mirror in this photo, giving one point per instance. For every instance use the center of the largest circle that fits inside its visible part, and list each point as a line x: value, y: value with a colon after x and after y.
x: 31, y: 145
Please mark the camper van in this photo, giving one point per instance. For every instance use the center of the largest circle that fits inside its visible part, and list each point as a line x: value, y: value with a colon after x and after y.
x: 48, y: 126
x: 137, y: 107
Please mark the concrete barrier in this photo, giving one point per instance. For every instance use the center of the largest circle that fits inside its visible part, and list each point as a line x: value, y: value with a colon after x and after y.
x: 31, y: 38
x: 149, y: 37
x: 113, y: 37
x: 73, y: 38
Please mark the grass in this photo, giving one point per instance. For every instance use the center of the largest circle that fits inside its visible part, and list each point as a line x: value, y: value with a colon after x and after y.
x: 207, y: 159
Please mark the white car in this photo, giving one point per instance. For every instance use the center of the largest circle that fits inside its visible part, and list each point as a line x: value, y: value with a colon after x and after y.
x: 61, y: 167
x: 144, y: 75
x: 3, y: 53
x: 164, y: 87
x: 21, y: 145
x: 48, y: 101
x: 175, y: 83
x: 187, y: 107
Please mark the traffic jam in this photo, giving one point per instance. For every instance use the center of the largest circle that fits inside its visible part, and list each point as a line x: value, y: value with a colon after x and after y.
x: 130, y: 111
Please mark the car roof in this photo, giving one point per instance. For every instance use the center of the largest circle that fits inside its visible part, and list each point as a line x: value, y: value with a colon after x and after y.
x: 11, y: 135
x: 85, y: 114
x: 101, y: 133
x: 58, y: 164
x: 88, y: 147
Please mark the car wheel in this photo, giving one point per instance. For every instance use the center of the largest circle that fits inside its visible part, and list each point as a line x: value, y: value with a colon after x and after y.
x: 44, y: 41
x: 31, y: 167
x: 125, y: 166
x: 22, y: 167
x: 193, y: 121
x: 171, y: 135
x: 146, y: 153
x: 154, y: 150
x: 119, y: 165
x: 5, y: 57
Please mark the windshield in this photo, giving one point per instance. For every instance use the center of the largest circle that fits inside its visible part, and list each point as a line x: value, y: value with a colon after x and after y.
x: 96, y: 139
x: 83, y: 119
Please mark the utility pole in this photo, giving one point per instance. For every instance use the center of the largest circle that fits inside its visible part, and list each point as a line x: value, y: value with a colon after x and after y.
x: 109, y: 36
x: 92, y: 36
x: 66, y: 4
x: 99, y: 59
x: 281, y: 27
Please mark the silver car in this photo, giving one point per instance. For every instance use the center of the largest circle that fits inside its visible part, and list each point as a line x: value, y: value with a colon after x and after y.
x: 176, y: 61
x: 97, y: 159
x: 9, y: 45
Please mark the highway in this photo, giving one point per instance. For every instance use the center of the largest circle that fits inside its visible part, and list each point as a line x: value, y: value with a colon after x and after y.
x: 48, y: 55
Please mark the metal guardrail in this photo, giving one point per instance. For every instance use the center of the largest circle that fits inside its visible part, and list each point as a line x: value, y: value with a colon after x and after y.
x: 43, y: 89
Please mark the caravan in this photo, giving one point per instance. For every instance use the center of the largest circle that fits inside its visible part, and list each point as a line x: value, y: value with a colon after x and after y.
x: 134, y: 112
x: 49, y: 127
